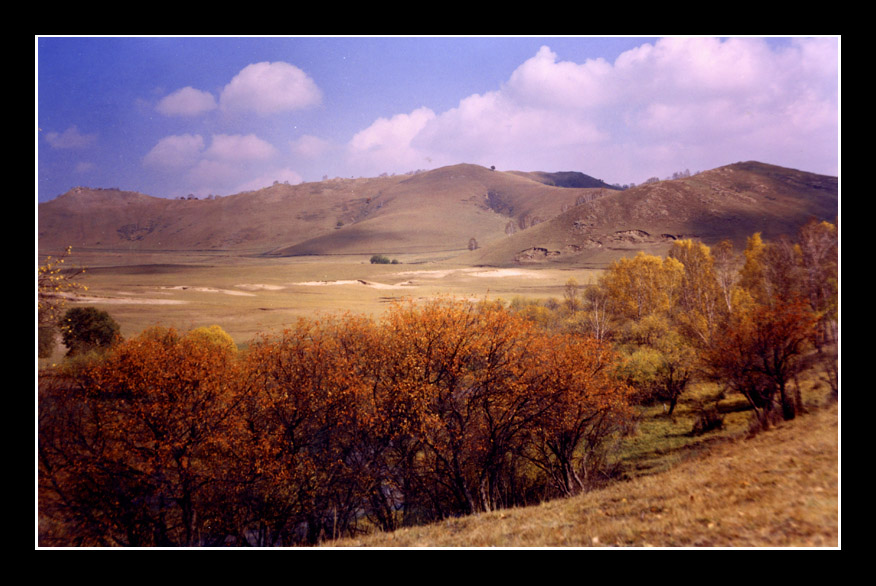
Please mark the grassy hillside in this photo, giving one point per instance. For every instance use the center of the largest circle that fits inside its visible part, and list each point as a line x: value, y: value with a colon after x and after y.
x: 439, y: 210
x: 443, y: 210
x: 509, y: 218
x: 779, y: 488
x: 730, y: 202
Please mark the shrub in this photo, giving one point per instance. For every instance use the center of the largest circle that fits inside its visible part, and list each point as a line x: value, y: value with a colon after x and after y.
x: 88, y: 328
x: 213, y: 335
x: 379, y: 259
x: 708, y: 419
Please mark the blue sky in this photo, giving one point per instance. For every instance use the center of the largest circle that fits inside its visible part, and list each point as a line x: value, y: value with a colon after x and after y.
x: 169, y: 116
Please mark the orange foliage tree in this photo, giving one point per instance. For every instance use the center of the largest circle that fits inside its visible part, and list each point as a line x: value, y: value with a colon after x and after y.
x: 305, y: 477
x: 132, y: 447
x: 443, y: 408
x: 759, y: 353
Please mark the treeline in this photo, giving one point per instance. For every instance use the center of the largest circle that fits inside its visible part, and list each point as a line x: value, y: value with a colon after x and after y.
x: 336, y: 426
x: 443, y: 408
x: 747, y: 320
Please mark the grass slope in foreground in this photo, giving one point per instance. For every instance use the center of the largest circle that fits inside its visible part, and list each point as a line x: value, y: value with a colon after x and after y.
x: 779, y: 488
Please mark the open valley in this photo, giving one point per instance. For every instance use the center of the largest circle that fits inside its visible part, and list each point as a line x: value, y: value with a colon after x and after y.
x: 252, y: 295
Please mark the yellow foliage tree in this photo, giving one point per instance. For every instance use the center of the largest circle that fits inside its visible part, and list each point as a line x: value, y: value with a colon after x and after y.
x: 699, y: 293
x: 643, y: 285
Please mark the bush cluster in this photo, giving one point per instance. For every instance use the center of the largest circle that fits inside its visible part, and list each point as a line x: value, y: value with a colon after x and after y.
x: 380, y: 259
x: 331, y: 428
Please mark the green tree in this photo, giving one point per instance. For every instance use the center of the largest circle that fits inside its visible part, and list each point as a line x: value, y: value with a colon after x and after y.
x: 662, y: 370
x: 88, y: 328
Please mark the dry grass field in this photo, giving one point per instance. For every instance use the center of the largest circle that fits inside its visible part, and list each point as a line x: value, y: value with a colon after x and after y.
x: 252, y: 295
x: 776, y: 489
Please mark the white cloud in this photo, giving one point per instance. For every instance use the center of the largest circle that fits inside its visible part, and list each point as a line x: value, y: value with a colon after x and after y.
x: 269, y: 88
x: 542, y: 81
x: 70, y: 139
x: 229, y: 164
x: 176, y: 152
x: 678, y: 103
x: 386, y: 144
x: 186, y: 102
x: 237, y: 147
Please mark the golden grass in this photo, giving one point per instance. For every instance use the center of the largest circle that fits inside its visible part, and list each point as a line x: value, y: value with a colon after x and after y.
x: 779, y: 488
x: 250, y: 295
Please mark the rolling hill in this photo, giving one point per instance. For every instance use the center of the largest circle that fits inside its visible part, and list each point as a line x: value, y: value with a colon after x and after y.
x: 508, y: 218
x: 730, y: 202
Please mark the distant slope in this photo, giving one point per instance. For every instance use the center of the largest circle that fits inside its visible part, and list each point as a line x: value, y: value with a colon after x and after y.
x: 509, y: 218
x: 564, y: 179
x: 256, y: 221
x: 730, y: 202
x: 443, y: 209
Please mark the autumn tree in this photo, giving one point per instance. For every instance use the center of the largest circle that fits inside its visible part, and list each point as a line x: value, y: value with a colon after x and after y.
x: 819, y: 258
x: 726, y: 271
x: 571, y: 292
x: 699, y: 309
x: 55, y: 283
x: 442, y: 408
x: 302, y: 482
x: 597, y: 320
x: 133, y: 446
x: 494, y: 385
x: 584, y: 405
x: 641, y: 286
x: 759, y: 353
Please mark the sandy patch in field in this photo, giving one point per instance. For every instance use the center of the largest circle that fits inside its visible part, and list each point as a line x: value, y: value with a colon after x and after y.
x: 260, y: 287
x: 502, y: 273
x: 353, y: 282
x: 210, y: 290
x: 480, y: 273
x: 434, y: 274
x: 125, y: 300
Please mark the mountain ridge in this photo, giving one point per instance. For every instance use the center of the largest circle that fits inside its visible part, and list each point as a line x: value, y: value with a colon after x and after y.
x: 491, y: 217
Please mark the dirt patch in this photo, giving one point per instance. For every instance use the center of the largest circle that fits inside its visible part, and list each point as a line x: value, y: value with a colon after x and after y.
x: 210, y: 290
x: 536, y: 254
x: 260, y: 287
x: 353, y: 282
x: 124, y: 300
